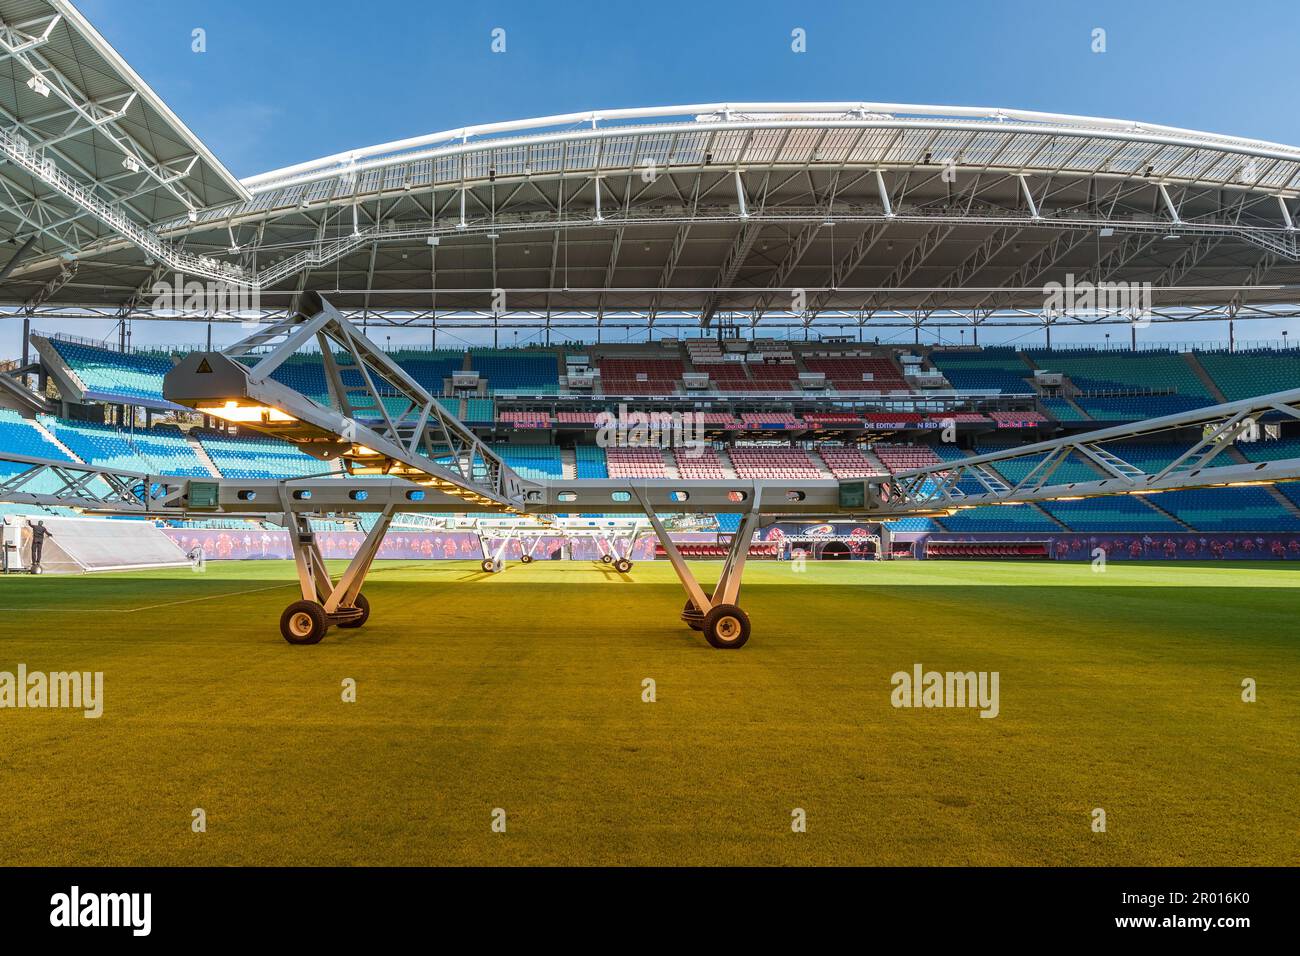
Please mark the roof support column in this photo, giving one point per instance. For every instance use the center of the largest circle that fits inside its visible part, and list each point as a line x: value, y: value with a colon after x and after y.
x: 1029, y: 197
x: 884, y: 195
x: 1169, y: 204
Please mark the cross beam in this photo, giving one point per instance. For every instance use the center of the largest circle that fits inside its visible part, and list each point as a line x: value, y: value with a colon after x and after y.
x: 380, y: 421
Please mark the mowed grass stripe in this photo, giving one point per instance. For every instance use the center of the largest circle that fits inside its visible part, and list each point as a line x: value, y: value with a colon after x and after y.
x: 522, y: 690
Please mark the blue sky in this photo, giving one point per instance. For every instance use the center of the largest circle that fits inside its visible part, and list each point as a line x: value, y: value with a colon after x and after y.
x: 283, y: 81
x: 287, y: 80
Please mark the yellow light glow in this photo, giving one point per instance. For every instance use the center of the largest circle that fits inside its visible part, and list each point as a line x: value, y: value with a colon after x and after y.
x: 245, y: 414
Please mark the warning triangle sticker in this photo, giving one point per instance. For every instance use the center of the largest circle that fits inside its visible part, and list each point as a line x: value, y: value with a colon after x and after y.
x: 203, y: 366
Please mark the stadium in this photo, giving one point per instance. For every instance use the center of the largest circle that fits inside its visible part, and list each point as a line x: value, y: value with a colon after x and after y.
x: 635, y: 568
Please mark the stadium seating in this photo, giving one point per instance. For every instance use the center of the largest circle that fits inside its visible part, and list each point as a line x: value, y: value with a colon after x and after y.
x: 764, y: 462
x: 1112, y: 513
x: 1264, y: 450
x: 523, y: 419
x: 983, y: 370
x: 154, y: 451
x: 833, y: 419
x: 1246, y: 374
x: 859, y: 373
x: 999, y: 518
x: 1228, y: 509
x: 257, y: 456
x: 590, y: 460
x: 1131, y: 408
x: 1101, y: 370
x: 113, y: 376
x: 518, y: 371
x: 906, y: 457
x: 770, y: 420
x: 586, y: 419
x: 648, y: 376
x: 534, y: 462
x: 717, y: 420
x: 1113, y: 386
x: 1017, y: 470
x: 429, y: 368
x: 700, y: 461
x: 885, y: 420
x: 21, y: 437
x: 635, y: 463
x: 728, y: 523
x: 1062, y: 410
x: 914, y: 524
x: 480, y: 410
x: 728, y: 377
x: 773, y: 376
x: 987, y: 549
x: 848, y: 461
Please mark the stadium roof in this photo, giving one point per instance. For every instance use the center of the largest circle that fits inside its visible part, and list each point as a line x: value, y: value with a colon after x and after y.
x: 839, y: 213
x: 90, y: 153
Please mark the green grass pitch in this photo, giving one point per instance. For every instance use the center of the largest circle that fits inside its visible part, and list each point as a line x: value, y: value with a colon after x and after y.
x: 523, y: 691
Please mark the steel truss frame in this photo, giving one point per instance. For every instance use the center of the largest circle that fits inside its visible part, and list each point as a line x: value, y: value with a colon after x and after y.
x: 1214, y: 430
x: 45, y: 482
x: 614, y: 544
x: 423, y: 442
x: 671, y: 321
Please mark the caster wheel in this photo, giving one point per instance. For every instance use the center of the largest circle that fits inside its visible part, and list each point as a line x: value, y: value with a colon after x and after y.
x: 692, y: 617
x: 606, y: 559
x: 488, y: 565
x: 622, y: 565
x: 303, y: 622
x: 525, y: 559
x: 726, y: 627
x: 364, y: 605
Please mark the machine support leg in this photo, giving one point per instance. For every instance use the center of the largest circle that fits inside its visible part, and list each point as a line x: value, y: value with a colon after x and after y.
x: 693, y: 590
x: 312, y: 573
x: 349, y: 586
x: 325, y: 604
x: 728, y: 589
x: 717, y: 615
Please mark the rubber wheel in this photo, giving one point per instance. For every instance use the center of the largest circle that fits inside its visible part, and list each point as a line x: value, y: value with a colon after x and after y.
x: 726, y: 627
x: 691, y: 624
x: 488, y: 566
x: 622, y: 565
x: 606, y: 559
x: 303, y: 622
x: 525, y: 559
x: 365, y: 613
